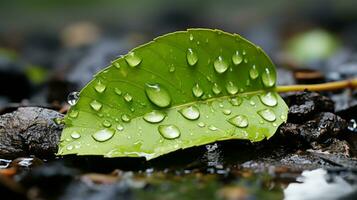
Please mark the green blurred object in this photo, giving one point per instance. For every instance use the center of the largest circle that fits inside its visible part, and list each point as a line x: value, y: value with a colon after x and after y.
x: 36, y: 74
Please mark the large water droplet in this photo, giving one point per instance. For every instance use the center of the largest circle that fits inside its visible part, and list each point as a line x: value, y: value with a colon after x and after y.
x: 103, y: 135
x: 125, y: 118
x: 239, y: 121
x: 236, y: 101
x: 197, y: 91
x: 75, y: 135
x: 191, y: 57
x: 268, y: 78
x: 100, y: 87
x: 253, y: 72
x: 231, y: 88
x: 268, y: 99
x: 73, y: 113
x: 106, y: 123
x: 158, y: 95
x: 72, y: 98
x: 190, y: 112
x: 216, y: 88
x: 127, y: 97
x: 267, y: 114
x: 118, y: 91
x: 96, y: 105
x: 237, y: 58
x: 132, y: 59
x: 220, y: 65
x: 169, y: 131
x: 154, y: 116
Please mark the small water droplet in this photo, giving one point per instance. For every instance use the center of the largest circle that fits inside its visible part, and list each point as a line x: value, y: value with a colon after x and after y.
x: 72, y: 98
x: 267, y: 114
x: 155, y: 116
x: 231, y: 88
x: 69, y: 147
x: 169, y: 131
x: 75, y: 135
x: 283, y: 117
x: 127, y: 97
x: 245, y: 60
x: 132, y: 59
x: 236, y: 101
x: 216, y: 88
x: 237, y: 58
x: 96, y: 105
x: 158, y: 95
x: 172, y: 69
x: 191, y: 57
x: 117, y: 65
x: 73, y: 113
x: 120, y: 127
x: 268, y: 99
x: 226, y: 111
x: 201, y: 124
x: 118, y: 91
x: 191, y: 37
x: 125, y: 118
x: 190, y: 112
x: 220, y: 65
x: 252, y: 103
x: 106, y: 123
x: 253, y: 72
x: 268, y: 78
x: 240, y: 121
x: 100, y: 87
x: 212, y: 128
x: 103, y: 135
x: 197, y: 91
x: 244, y: 52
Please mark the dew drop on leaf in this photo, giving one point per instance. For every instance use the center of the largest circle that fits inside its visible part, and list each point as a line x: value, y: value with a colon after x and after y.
x: 169, y: 131
x: 237, y: 58
x: 155, y: 116
x: 201, y: 124
x: 117, y: 91
x: 117, y: 65
x: 103, y: 135
x: 132, y: 59
x: 127, y: 97
x: 231, y: 88
x: 125, y: 118
x: 75, y: 135
x: 268, y: 99
x: 216, y: 88
x: 106, y: 123
x: 120, y: 127
x: 158, y: 95
x: 226, y: 111
x: 253, y: 72
x: 197, y: 91
x: 212, y: 128
x: 72, y: 98
x: 220, y: 65
x: 73, y: 113
x: 267, y: 114
x: 100, y: 87
x: 191, y: 57
x: 236, y: 101
x: 95, y: 105
x: 190, y: 112
x: 69, y: 147
x: 240, y: 121
x: 268, y: 78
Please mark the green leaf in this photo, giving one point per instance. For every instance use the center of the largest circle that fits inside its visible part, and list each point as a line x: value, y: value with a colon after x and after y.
x: 183, y: 89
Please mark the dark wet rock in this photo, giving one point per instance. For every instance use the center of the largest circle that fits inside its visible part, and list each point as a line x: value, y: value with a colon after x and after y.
x: 11, y: 189
x: 334, y: 146
x: 29, y: 131
x: 304, y: 105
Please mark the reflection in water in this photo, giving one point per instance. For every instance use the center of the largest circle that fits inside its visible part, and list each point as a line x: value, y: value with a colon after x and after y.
x: 317, y: 184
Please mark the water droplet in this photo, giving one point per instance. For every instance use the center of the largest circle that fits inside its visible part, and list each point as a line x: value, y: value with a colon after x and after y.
x: 212, y: 128
x: 283, y: 117
x: 268, y: 99
x: 216, y: 88
x: 236, y: 101
x: 201, y: 124
x: 190, y: 112
x: 245, y: 60
x: 237, y: 58
x: 103, y: 135
x: 154, y: 116
x: 231, y: 88
x: 253, y: 72
x: 96, y: 105
x: 100, y: 87
x: 117, y: 91
x: 244, y: 52
x: 239, y: 121
x: 69, y: 147
x: 75, y: 135
x: 172, y: 69
x: 106, y: 123
x: 73, y: 113
x: 158, y: 95
x: 252, y: 103
x: 191, y: 57
x: 120, y: 127
x: 125, y: 118
x: 117, y: 65
x: 132, y: 59
x: 128, y: 97
x: 268, y: 78
x: 220, y: 65
x: 197, y: 91
x: 72, y: 98
x: 226, y: 111
x: 267, y: 114
x: 169, y: 131
x: 191, y: 37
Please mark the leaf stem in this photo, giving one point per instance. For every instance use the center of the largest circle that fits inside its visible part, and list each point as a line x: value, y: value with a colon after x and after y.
x: 337, y: 85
